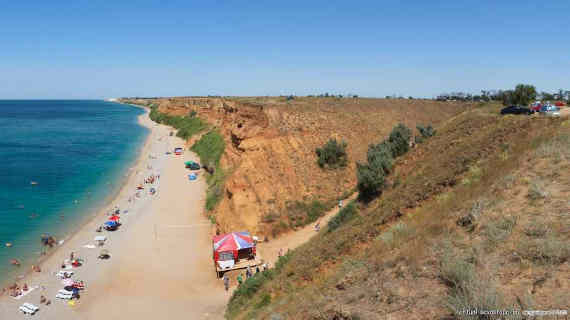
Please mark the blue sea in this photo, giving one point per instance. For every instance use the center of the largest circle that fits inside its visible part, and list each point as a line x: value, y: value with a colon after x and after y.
x: 76, y: 153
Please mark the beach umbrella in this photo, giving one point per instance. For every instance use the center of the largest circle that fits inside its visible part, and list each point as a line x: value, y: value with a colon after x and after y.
x: 114, y: 218
x: 67, y: 282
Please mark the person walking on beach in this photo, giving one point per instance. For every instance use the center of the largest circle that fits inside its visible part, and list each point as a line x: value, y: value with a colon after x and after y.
x: 226, y: 282
x: 239, y: 279
x: 247, y: 273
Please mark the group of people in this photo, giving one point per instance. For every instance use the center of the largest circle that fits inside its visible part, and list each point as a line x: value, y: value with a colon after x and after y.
x: 15, y: 290
x: 248, y: 274
x: 151, y: 179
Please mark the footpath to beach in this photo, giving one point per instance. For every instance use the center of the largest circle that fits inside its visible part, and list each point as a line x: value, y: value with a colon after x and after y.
x: 161, y: 257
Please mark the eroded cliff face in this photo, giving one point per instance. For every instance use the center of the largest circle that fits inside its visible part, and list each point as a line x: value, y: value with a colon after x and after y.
x: 270, y: 155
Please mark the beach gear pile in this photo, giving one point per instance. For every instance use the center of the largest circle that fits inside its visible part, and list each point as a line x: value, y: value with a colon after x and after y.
x: 28, y: 308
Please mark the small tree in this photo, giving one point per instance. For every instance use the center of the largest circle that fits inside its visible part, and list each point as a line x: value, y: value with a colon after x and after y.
x: 332, y: 154
x: 370, y: 180
x: 425, y: 133
x: 381, y: 156
x: 524, y: 94
x: 399, y: 140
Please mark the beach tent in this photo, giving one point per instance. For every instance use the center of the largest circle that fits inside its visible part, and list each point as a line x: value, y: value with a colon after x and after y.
x: 111, y: 225
x: 233, y: 245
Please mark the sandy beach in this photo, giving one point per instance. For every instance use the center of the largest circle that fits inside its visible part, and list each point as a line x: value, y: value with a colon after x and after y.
x: 160, y: 261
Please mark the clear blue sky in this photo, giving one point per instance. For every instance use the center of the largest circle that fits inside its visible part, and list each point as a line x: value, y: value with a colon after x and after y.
x: 99, y: 49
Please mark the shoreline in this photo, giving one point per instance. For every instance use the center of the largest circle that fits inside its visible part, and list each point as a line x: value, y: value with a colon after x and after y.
x: 97, y: 212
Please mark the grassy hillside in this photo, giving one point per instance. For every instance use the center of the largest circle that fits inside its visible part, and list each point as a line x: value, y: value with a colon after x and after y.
x: 475, y: 217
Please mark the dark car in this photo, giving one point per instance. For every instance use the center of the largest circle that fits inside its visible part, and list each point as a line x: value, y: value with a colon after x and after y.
x: 515, y: 110
x: 194, y: 166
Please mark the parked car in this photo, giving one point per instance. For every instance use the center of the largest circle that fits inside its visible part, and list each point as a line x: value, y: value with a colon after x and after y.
x: 535, y: 107
x: 550, y: 111
x: 515, y: 110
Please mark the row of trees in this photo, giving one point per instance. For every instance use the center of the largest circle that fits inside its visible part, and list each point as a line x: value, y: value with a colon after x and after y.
x: 371, y: 176
x: 379, y: 158
x: 506, y: 95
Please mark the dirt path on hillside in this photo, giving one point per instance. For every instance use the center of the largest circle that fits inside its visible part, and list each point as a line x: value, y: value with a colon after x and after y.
x: 270, y: 249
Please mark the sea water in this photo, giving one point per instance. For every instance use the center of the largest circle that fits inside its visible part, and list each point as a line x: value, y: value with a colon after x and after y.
x: 59, y: 161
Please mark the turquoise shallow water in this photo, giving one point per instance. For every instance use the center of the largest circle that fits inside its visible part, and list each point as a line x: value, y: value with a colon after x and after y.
x: 78, y: 153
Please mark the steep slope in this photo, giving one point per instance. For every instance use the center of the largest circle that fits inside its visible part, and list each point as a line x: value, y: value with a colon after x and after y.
x: 272, y: 178
x: 476, y: 217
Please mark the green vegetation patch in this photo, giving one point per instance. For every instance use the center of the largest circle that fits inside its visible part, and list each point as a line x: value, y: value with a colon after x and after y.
x: 332, y: 154
x: 301, y: 213
x: 186, y: 126
x: 345, y: 214
x: 371, y: 175
x: 210, y: 149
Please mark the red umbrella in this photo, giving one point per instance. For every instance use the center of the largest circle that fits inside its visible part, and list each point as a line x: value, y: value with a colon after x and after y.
x: 114, y: 218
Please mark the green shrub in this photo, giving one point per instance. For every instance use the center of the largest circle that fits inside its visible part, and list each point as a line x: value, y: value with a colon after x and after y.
x: 536, y: 191
x: 247, y: 289
x: 370, y: 180
x: 371, y: 176
x: 332, y: 154
x: 381, y: 156
x: 425, y: 132
x: 400, y: 140
x: 549, y: 250
x: 345, y: 214
x: 456, y: 272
